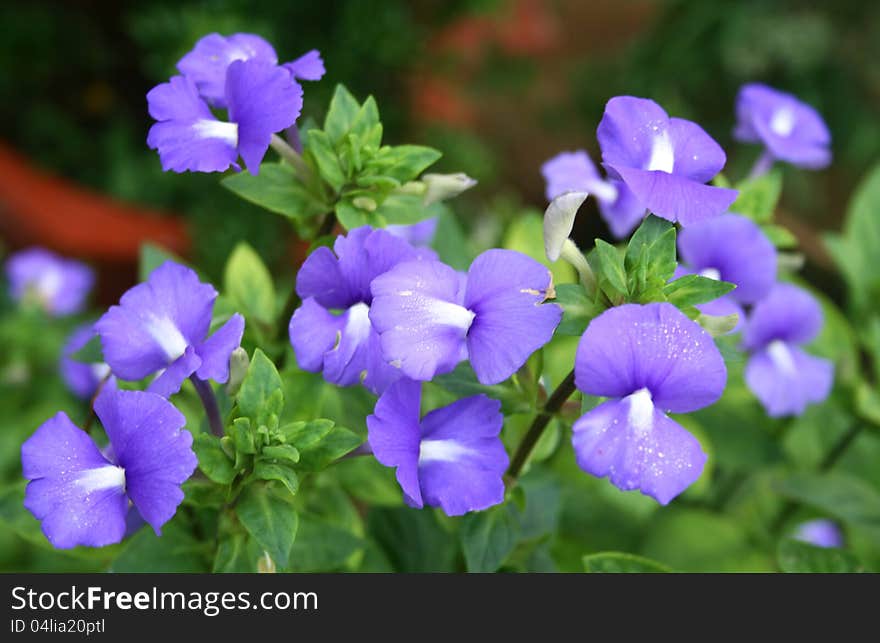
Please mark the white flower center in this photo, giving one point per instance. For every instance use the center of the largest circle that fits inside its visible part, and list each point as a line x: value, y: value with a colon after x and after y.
x: 167, y: 336
x: 781, y: 357
x: 100, y: 370
x: 211, y: 128
x: 442, y: 451
x: 49, y: 285
x: 662, y: 154
x: 109, y: 477
x: 641, y: 410
x: 782, y: 122
x: 711, y: 273
x: 357, y: 327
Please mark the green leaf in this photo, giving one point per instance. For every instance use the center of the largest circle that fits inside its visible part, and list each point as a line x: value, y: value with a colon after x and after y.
x: 236, y: 554
x: 402, y: 162
x: 284, y: 452
x: 305, y: 435
x: 175, y: 551
x: 405, y: 209
x: 611, y: 271
x: 341, y: 113
x: 276, y: 188
x: 261, y: 394
x: 691, y: 290
x: 412, y: 539
x: 153, y: 256
x: 248, y: 283
x: 463, y: 382
x: 213, y: 462
x: 613, y: 562
x: 801, y: 558
x: 488, y: 537
x: 280, y: 472
x: 578, y: 309
x: 717, y: 325
x: 758, y: 197
x: 328, y: 449
x: 270, y: 518
x: 855, y: 250
x: 653, y: 236
x: 326, y: 159
x: 841, y: 495
x: 322, y: 546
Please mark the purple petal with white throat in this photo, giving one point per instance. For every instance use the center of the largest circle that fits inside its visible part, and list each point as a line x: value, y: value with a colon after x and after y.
x: 74, y: 491
x: 634, y: 133
x: 149, y: 442
x: 215, y: 351
x: 418, y: 310
x: 787, y: 313
x: 169, y: 381
x: 506, y: 291
x: 313, y: 332
x: 569, y: 172
x: 786, y: 380
x: 655, y: 347
x: 638, y: 447
x: 697, y: 156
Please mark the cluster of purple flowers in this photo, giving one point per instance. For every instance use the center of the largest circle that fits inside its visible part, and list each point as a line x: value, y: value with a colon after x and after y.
x: 380, y: 312
x: 85, y: 495
x: 651, y: 359
x: 241, y: 75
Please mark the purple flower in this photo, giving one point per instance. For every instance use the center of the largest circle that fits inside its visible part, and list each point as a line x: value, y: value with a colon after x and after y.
x: 162, y: 325
x: 734, y: 249
x: 417, y: 234
x: 784, y: 378
x: 790, y: 130
x: 206, y: 65
x: 261, y: 98
x: 576, y: 172
x: 81, y: 378
x: 821, y: 533
x: 651, y: 360
x: 344, y: 345
x: 452, y: 458
x: 664, y: 161
x: 59, y: 286
x: 430, y: 317
x: 81, y: 495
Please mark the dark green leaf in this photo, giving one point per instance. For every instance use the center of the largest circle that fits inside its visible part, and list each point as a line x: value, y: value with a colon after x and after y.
x: 280, y: 472
x: 463, y: 382
x: 175, y: 551
x: 611, y: 272
x: 488, y: 537
x: 248, y: 283
x: 654, y: 243
x: 691, y: 290
x: 412, y: 540
x: 322, y: 546
x: 578, y: 309
x: 213, y: 462
x: 237, y: 553
x: 277, y: 189
x: 326, y: 160
x: 270, y: 518
x: 801, y: 558
x: 841, y: 495
x: 621, y: 563
x: 331, y: 447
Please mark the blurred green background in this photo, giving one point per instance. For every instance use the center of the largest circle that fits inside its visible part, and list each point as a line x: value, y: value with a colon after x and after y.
x: 499, y: 86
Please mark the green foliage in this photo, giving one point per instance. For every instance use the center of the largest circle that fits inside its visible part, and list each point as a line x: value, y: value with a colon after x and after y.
x: 758, y: 197
x: 695, y: 289
x: 801, y: 558
x: 277, y: 189
x: 488, y: 537
x: 270, y: 518
x: 622, y: 563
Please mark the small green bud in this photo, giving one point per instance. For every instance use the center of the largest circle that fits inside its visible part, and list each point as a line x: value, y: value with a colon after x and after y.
x: 441, y: 187
x: 238, y: 368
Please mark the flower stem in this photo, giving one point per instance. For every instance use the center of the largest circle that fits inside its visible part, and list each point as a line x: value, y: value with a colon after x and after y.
x: 762, y: 165
x: 290, y: 155
x: 209, y: 401
x: 524, y: 450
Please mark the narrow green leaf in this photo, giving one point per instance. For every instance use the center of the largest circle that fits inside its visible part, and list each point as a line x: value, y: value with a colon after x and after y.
x: 611, y: 268
x: 285, y: 452
x: 331, y: 447
x: 270, y: 518
x: 326, y: 160
x: 248, y: 283
x: 280, y: 472
x: 654, y: 244
x: 691, y: 290
x: 341, y: 114
x: 622, y: 563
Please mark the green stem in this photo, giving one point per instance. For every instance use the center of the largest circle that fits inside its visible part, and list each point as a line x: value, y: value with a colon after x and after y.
x: 293, y: 157
x: 525, y: 448
x: 209, y: 401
